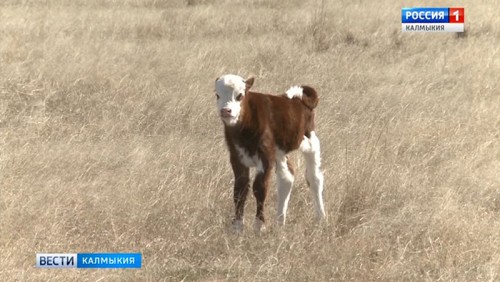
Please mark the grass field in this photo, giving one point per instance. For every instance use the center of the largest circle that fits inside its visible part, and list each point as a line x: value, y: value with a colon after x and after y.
x: 110, y: 142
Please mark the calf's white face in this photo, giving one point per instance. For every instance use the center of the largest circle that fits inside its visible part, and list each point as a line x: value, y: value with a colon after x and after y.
x: 230, y: 90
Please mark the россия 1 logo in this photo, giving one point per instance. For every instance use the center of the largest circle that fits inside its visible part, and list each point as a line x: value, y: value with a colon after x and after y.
x: 433, y: 19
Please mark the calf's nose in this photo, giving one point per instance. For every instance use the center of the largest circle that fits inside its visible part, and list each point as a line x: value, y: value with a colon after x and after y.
x: 225, y: 112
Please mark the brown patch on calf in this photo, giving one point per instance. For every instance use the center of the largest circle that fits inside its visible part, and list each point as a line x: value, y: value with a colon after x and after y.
x: 309, y: 97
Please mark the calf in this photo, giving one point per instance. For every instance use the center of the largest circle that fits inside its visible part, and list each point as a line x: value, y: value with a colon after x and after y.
x: 260, y: 131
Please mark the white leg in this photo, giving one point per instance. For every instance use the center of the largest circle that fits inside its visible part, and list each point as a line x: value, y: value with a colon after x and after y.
x: 285, y: 178
x: 311, y: 149
x: 259, y: 226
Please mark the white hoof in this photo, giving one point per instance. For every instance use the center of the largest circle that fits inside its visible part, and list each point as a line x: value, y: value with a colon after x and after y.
x: 238, y: 225
x: 258, y: 226
x: 281, y: 220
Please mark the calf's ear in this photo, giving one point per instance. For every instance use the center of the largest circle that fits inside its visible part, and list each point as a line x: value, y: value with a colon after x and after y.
x: 249, y: 83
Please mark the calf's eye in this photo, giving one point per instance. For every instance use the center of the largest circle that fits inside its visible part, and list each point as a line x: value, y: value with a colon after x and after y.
x: 216, y: 95
x: 239, y: 97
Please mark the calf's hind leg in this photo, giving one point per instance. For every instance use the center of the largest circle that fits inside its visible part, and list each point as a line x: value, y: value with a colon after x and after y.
x: 310, y: 148
x: 284, y: 177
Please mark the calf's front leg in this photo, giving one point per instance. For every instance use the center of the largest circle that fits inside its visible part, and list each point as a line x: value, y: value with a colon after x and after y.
x: 241, y: 186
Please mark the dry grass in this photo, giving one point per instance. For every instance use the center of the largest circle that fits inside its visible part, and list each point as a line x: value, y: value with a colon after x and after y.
x: 110, y: 142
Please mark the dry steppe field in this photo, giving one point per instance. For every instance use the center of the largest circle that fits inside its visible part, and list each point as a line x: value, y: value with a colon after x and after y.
x: 110, y: 140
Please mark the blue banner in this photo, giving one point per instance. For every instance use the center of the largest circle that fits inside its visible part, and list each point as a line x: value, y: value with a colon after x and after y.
x: 109, y: 260
x: 425, y: 15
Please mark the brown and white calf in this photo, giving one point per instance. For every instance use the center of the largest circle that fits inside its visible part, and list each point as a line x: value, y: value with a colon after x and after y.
x: 260, y: 131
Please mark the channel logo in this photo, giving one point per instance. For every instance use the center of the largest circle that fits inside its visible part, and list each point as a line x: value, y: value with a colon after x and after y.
x: 89, y: 260
x: 433, y: 19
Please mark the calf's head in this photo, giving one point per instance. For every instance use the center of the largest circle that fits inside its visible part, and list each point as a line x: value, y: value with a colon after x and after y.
x: 230, y: 91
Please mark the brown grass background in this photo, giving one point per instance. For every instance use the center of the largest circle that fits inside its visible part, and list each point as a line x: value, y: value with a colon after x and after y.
x: 109, y: 139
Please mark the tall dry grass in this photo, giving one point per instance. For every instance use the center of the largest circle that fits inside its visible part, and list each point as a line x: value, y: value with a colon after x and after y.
x: 110, y: 140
